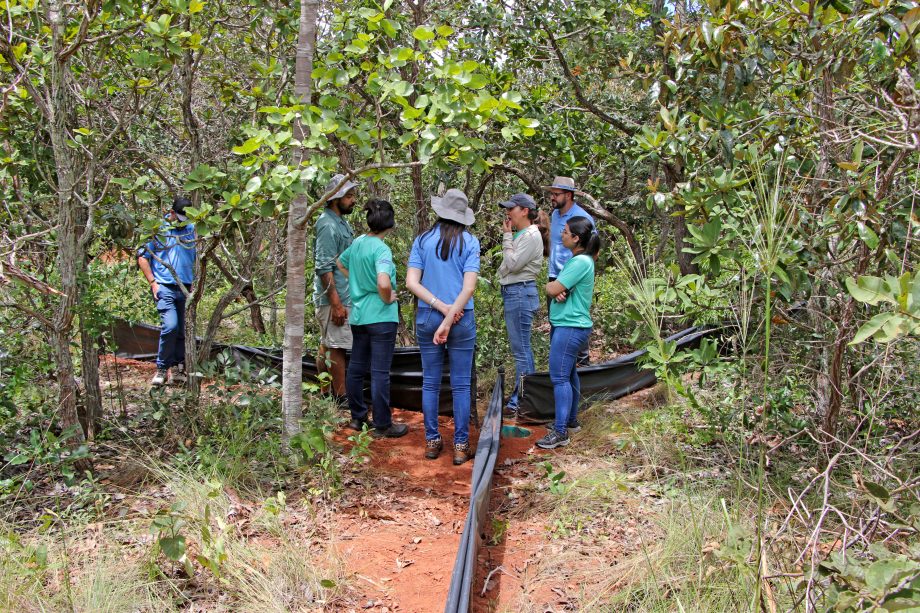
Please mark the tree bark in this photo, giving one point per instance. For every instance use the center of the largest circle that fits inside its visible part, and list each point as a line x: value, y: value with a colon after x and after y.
x: 292, y: 370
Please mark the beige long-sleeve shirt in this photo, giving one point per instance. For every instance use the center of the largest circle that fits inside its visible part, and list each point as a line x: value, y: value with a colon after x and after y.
x: 523, y: 256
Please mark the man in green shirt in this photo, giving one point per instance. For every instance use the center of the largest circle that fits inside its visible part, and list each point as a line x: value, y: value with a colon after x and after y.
x: 332, y: 236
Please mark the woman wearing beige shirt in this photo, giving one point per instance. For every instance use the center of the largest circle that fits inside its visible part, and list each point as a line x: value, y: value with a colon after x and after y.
x: 522, y: 248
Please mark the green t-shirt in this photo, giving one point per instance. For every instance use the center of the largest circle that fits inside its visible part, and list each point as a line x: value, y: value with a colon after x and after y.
x: 578, y: 277
x: 331, y: 237
x: 365, y: 259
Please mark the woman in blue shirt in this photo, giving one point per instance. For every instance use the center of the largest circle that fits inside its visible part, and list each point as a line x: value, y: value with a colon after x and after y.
x: 443, y: 267
x: 570, y: 315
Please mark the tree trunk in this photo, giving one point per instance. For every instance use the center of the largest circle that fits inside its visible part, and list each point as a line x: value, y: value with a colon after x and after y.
x: 69, y: 256
x: 422, y: 208
x: 292, y: 371
x: 92, y: 396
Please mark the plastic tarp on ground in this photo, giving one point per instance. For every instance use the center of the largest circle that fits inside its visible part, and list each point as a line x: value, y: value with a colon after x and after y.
x: 461, y: 581
x: 605, y: 381
x: 140, y: 341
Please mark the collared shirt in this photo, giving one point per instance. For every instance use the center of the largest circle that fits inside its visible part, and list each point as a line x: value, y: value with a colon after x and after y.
x: 175, y: 246
x: 523, y: 256
x: 366, y: 258
x: 444, y: 278
x: 578, y: 278
x: 559, y: 255
x: 332, y: 235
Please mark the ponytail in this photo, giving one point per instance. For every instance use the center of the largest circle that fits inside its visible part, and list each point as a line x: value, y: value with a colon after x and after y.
x: 542, y: 220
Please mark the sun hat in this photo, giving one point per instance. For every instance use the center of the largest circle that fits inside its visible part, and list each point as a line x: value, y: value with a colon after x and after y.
x: 566, y: 183
x: 335, y: 180
x: 455, y: 206
x: 522, y: 200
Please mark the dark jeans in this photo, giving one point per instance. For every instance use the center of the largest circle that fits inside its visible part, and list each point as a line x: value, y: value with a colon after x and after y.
x: 564, y: 346
x: 171, y: 307
x: 583, y: 358
x: 521, y: 303
x: 371, y: 350
x: 461, y: 342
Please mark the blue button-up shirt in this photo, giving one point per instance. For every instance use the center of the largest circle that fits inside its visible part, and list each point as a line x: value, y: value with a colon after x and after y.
x: 175, y: 246
x: 559, y: 255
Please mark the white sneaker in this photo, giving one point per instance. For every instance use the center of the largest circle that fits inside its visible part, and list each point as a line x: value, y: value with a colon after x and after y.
x: 178, y: 376
x: 159, y: 378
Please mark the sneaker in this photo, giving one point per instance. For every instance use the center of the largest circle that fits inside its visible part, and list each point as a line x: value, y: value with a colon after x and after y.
x: 433, y: 448
x: 462, y: 453
x: 552, y: 440
x: 159, y: 378
x: 395, y: 430
x: 358, y: 424
x: 177, y: 375
x: 573, y: 427
x: 510, y: 412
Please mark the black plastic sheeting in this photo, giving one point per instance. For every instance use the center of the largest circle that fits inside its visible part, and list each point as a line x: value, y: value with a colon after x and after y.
x: 139, y: 342
x: 461, y: 581
x: 605, y: 381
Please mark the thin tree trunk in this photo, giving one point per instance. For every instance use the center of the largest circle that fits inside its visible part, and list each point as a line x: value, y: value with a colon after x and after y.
x: 69, y: 256
x: 292, y: 371
x: 92, y: 396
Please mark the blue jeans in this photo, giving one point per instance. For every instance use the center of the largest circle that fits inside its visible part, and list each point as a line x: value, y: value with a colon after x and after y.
x: 521, y: 303
x: 371, y: 350
x: 564, y: 346
x: 461, y: 342
x: 171, y: 307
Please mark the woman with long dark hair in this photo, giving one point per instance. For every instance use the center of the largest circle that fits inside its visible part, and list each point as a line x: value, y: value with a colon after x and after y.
x: 368, y: 264
x: 570, y: 314
x: 522, y: 251
x: 443, y: 267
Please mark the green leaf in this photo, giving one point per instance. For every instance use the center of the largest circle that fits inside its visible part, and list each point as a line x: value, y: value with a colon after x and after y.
x: 445, y: 30
x: 248, y: 147
x: 868, y: 329
x: 253, y: 184
x: 195, y: 6
x: 423, y: 33
x: 328, y: 583
x: 528, y: 122
x: 173, y: 547
x: 867, y: 235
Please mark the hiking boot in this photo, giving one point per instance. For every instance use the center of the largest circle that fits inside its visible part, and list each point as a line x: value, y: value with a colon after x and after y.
x: 552, y: 440
x: 433, y: 448
x: 177, y: 375
x: 510, y: 412
x: 462, y: 453
x: 573, y: 427
x: 395, y: 430
x: 358, y: 424
x: 159, y: 379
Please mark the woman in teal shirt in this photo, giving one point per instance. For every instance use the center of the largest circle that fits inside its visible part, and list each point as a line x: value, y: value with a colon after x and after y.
x: 570, y: 314
x: 368, y: 264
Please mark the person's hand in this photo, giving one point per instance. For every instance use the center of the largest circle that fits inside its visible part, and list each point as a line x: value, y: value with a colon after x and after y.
x: 440, y: 335
x: 506, y: 225
x: 155, y: 288
x: 339, y: 314
x: 561, y: 296
x: 458, y: 316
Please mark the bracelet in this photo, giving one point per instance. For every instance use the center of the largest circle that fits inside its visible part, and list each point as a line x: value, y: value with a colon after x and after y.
x: 151, y: 282
x: 433, y: 300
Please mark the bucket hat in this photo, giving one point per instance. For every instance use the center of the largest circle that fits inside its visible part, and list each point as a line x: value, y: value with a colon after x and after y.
x: 521, y: 200
x: 335, y: 180
x: 455, y: 206
x: 566, y: 183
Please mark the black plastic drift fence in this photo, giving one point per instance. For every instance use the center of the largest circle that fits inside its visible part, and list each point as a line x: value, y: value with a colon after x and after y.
x: 461, y: 581
x: 605, y: 381
x: 139, y: 341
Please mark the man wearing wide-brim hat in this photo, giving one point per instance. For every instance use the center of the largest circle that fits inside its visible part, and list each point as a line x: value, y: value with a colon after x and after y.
x: 332, y: 235
x: 562, y: 198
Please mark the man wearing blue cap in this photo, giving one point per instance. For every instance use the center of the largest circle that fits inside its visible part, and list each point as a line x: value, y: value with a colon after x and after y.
x: 332, y: 236
x: 562, y: 197
x: 166, y: 261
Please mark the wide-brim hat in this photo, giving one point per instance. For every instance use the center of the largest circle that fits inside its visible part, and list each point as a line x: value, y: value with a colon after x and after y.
x: 521, y: 200
x: 346, y: 187
x: 566, y: 183
x: 454, y: 206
